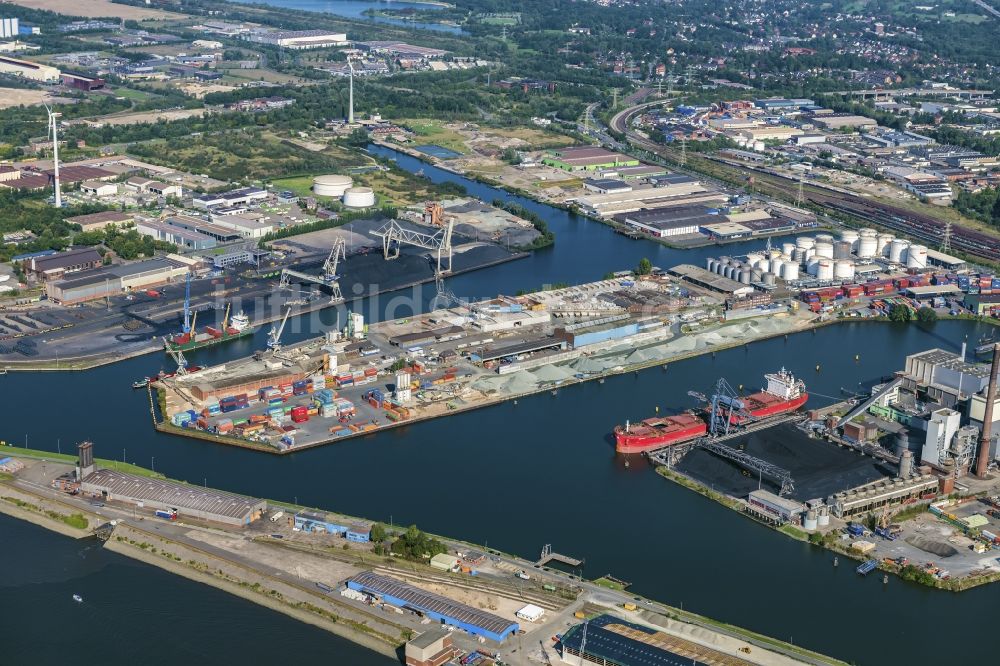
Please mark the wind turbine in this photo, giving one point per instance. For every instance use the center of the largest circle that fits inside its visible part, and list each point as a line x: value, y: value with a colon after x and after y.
x: 53, y: 128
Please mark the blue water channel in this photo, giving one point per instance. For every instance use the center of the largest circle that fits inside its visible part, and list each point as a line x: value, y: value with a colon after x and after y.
x: 355, y: 9
x: 544, y: 470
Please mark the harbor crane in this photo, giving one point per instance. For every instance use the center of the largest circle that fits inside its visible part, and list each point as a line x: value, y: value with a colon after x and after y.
x: 179, y: 359
x: 187, y: 305
x: 274, y: 336
x: 327, y: 278
x: 439, y: 241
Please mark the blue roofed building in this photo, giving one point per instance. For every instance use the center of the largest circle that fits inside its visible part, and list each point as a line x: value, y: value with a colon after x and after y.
x: 442, y: 609
x: 307, y: 521
x: 359, y: 533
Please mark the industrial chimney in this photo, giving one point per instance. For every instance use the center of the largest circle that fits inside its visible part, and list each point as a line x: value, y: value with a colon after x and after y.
x: 983, y: 458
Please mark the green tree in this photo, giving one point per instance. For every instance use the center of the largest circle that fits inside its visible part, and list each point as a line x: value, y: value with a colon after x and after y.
x: 645, y: 267
x: 900, y: 313
x: 926, y: 315
x: 378, y: 533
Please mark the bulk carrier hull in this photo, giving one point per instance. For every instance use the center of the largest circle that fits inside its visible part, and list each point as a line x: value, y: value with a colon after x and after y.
x: 192, y: 343
x: 784, y: 394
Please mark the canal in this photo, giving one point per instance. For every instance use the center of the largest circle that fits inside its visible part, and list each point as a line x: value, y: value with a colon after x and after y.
x: 544, y: 470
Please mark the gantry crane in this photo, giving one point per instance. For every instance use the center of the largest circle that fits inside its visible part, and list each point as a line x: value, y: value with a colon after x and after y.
x: 439, y: 241
x: 328, y: 277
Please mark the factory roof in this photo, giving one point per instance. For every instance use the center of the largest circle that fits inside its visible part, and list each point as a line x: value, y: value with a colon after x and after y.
x: 70, y: 257
x: 933, y: 290
x: 436, y: 603
x: 787, y: 504
x: 88, y: 278
x: 675, y: 216
x: 624, y: 644
x: 521, y: 348
x: 172, y: 494
x: 137, y: 268
x: 709, y: 279
x: 428, y: 638
x: 105, y: 216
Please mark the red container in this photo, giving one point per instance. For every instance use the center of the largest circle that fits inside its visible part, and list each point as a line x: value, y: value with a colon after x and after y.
x: 371, y: 372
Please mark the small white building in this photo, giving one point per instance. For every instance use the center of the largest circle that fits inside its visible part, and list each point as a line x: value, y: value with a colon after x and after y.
x: 530, y: 613
x: 444, y: 562
x: 941, y: 429
x: 98, y: 188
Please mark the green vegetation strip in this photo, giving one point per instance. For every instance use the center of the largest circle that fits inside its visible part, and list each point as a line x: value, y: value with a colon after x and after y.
x: 116, y: 465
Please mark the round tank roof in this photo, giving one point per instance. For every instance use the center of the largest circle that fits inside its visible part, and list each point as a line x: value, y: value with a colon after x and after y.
x: 333, y: 179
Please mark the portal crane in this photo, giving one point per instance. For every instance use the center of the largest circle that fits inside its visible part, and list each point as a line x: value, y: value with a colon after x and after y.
x: 274, y: 337
x: 393, y: 235
x: 179, y: 359
x: 328, y: 277
x: 187, y: 305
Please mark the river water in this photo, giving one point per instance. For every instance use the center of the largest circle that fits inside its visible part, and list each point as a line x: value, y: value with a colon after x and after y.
x: 541, y: 471
x: 355, y: 9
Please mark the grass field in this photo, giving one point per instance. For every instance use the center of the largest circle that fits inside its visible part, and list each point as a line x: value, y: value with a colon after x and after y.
x: 433, y: 131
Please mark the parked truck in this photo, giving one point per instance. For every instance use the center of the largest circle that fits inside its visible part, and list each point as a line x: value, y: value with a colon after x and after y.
x: 166, y: 515
x: 275, y: 517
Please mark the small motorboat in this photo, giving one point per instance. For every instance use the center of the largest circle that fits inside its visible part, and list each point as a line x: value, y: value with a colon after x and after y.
x: 77, y: 598
x: 142, y: 383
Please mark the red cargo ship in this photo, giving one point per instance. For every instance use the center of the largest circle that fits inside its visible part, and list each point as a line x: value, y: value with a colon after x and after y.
x: 658, y: 432
x: 783, y: 393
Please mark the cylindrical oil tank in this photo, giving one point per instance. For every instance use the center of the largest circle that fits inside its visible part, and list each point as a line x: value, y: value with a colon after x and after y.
x: 359, y: 197
x: 710, y: 264
x: 867, y: 246
x: 867, y: 231
x: 769, y: 279
x: 812, y: 265
x: 842, y: 249
x: 824, y: 269
x: 737, y: 274
x: 810, y: 254
x: 745, y: 275
x: 776, y: 265
x: 805, y: 242
x: 824, y: 238
x: 884, y: 240
x: 754, y: 257
x: 897, y: 250
x: 843, y: 270
x: 823, y: 519
x: 332, y: 185
x: 787, y: 248
x: 774, y: 253
x: 790, y: 271
x: 916, y: 256
x: 727, y: 271
x: 799, y: 255
x: 810, y: 522
x: 850, y: 236
x: 764, y: 265
x: 756, y: 275
x: 824, y: 249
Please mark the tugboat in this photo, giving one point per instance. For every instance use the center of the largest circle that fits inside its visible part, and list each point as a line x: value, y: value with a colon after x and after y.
x: 986, y: 343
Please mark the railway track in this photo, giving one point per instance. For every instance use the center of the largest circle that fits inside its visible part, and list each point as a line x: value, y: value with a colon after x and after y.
x: 928, y: 229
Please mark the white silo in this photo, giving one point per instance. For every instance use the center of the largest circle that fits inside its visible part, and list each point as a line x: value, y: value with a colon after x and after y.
x: 823, y: 520
x: 764, y: 265
x: 790, y: 272
x: 787, y: 248
x: 884, y: 241
x: 843, y: 270
x: 850, y: 236
x: 709, y: 264
x: 776, y: 265
x: 824, y: 269
x: 824, y: 249
x: 897, y: 250
x: 754, y: 258
x: 867, y: 247
x: 805, y: 242
x: 824, y: 238
x: 359, y: 197
x: 916, y: 256
x: 745, y: 275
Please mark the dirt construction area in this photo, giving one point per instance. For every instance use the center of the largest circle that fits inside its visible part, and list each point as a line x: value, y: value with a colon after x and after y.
x: 17, y: 96
x: 96, y: 8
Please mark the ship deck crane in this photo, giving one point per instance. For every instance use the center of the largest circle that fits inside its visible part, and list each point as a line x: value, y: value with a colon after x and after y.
x: 274, y: 337
x: 439, y: 241
x: 225, y: 318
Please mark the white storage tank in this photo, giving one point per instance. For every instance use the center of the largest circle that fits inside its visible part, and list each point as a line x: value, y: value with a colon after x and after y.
x: 745, y: 276
x: 710, y: 264
x: 897, y: 250
x: 805, y: 242
x: 824, y: 238
x: 812, y: 265
x: 842, y: 249
x: 769, y: 279
x: 824, y: 249
x: 916, y: 256
x: 764, y: 265
x: 867, y: 247
x: 850, y: 236
x: 824, y: 269
x: 776, y: 265
x: 799, y: 255
x: 884, y: 240
x: 810, y: 254
x: 790, y: 272
x: 809, y: 523
x: 332, y: 185
x: 754, y: 257
x: 727, y: 271
x: 843, y: 270
x: 867, y: 231
x: 787, y: 248
x: 774, y: 253
x: 823, y: 519
x: 359, y: 197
